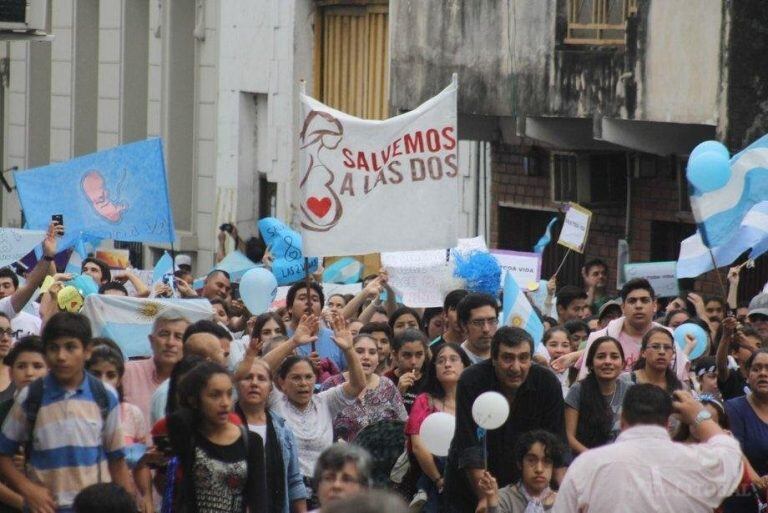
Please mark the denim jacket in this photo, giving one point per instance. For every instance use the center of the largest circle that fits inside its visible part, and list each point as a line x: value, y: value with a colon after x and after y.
x: 294, y: 483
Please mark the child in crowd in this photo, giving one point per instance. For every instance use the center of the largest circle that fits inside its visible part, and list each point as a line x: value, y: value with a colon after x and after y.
x: 73, y: 421
x: 107, y: 365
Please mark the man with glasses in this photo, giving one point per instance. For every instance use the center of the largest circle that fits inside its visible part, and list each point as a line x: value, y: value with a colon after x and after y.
x: 638, y: 305
x: 535, y: 399
x: 479, y: 317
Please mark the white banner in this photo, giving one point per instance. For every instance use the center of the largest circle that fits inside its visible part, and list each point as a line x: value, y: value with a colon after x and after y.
x: 661, y: 275
x: 418, y: 277
x: 372, y: 186
x: 16, y: 243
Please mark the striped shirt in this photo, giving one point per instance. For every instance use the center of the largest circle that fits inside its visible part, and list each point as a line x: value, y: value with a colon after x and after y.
x: 71, y: 443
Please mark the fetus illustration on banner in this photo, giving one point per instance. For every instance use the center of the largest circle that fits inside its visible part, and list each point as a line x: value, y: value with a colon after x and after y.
x: 321, y: 207
x: 95, y: 189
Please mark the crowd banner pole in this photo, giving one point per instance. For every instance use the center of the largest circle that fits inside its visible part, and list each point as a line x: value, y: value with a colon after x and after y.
x: 308, y: 281
x: 562, y: 262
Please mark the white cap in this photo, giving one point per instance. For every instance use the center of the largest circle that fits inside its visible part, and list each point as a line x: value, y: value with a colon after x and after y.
x: 183, y: 260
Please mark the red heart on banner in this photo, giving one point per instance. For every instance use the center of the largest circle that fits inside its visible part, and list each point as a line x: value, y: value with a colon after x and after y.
x: 319, y: 206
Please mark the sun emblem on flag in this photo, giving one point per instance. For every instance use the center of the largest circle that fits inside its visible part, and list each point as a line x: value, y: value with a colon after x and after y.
x: 149, y: 310
x: 517, y: 321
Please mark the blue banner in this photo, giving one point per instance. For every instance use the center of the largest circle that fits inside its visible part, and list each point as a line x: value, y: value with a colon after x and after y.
x: 119, y: 194
x: 285, y: 246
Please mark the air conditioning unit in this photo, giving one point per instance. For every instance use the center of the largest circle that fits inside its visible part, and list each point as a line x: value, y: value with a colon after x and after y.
x: 23, y: 15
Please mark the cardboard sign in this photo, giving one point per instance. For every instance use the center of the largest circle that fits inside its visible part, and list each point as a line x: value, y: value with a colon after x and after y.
x: 417, y: 276
x: 525, y: 268
x: 661, y: 275
x: 575, y: 228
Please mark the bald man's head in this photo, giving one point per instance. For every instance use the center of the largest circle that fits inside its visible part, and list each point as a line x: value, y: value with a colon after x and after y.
x: 205, y: 345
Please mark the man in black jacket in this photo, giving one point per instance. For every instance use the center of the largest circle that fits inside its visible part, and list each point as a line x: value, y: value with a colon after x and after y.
x: 536, y: 402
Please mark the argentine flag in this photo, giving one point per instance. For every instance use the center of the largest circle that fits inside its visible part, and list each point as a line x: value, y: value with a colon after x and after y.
x: 546, y: 238
x: 518, y: 312
x: 719, y: 213
x: 695, y: 259
x: 128, y: 320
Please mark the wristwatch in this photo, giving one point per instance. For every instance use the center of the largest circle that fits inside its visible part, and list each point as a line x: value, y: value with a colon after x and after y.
x: 702, y: 416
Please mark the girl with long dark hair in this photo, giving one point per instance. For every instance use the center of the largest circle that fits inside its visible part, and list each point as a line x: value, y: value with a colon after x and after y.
x: 222, y: 464
x: 439, y: 395
x: 593, y: 405
x: 655, y: 365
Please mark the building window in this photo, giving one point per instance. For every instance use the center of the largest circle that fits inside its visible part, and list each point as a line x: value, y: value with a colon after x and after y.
x: 352, y: 56
x: 608, y: 178
x: 267, y: 197
x: 520, y: 229
x: 565, y: 177
x: 598, y: 22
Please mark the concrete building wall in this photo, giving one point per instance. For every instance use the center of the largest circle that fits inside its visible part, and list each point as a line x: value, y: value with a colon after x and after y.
x: 682, y: 79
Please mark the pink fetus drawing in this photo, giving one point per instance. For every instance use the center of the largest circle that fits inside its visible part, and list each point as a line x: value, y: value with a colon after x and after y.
x: 95, y: 189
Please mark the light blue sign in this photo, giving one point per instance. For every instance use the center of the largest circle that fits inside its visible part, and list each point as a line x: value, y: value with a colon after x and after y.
x: 285, y: 246
x: 119, y: 194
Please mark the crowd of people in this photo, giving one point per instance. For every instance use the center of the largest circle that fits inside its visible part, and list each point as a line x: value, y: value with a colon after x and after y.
x: 313, y: 406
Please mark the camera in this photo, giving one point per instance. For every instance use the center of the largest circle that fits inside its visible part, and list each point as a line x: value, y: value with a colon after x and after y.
x: 226, y: 227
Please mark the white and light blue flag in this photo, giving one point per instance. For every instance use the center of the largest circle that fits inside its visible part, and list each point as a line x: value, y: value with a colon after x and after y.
x: 719, y: 213
x: 695, y: 258
x: 128, y: 320
x: 517, y: 311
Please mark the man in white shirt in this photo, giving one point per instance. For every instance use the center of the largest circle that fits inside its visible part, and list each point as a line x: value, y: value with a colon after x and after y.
x: 645, y: 471
x: 13, y: 298
x: 24, y: 323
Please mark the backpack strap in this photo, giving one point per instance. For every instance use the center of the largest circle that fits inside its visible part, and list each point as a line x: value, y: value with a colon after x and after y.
x: 31, y: 408
x: 100, y: 396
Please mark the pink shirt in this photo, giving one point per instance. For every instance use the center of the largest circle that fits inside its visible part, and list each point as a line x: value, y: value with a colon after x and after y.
x: 645, y: 471
x: 139, y: 383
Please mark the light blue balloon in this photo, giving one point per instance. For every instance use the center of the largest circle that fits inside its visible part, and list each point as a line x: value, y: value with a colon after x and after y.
x: 258, y: 288
x: 709, y: 171
x: 706, y: 146
x: 695, y: 330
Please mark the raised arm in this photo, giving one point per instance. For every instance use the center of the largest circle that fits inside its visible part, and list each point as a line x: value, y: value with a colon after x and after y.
x: 342, y: 337
x: 733, y: 287
x: 24, y: 293
x: 721, y: 357
x: 306, y: 333
x: 372, y: 290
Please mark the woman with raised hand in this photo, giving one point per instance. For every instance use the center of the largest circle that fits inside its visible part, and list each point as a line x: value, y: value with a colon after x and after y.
x: 593, y: 405
x: 379, y: 401
x: 309, y: 415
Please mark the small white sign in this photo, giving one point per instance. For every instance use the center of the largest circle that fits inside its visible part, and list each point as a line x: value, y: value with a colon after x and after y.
x: 661, y: 275
x: 417, y: 276
x: 575, y: 228
x: 525, y: 268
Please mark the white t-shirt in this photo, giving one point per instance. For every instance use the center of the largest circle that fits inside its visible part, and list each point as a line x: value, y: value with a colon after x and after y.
x: 25, y: 324
x: 313, y: 427
x: 259, y: 430
x: 472, y: 356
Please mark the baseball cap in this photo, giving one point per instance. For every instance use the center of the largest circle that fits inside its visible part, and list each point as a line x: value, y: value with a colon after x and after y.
x: 759, y: 305
x: 612, y: 304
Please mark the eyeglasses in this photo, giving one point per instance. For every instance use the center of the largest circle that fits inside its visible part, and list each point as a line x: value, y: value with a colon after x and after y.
x: 7, y: 332
x: 445, y: 359
x: 479, y: 323
x: 661, y: 348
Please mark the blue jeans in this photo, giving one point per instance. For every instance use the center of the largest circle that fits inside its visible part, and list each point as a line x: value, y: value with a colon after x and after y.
x: 434, y: 499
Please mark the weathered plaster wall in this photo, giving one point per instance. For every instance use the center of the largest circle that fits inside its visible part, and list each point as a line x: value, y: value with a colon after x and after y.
x: 500, y: 49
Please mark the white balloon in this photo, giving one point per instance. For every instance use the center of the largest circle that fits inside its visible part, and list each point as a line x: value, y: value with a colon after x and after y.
x: 437, y: 432
x: 490, y: 410
x: 258, y: 288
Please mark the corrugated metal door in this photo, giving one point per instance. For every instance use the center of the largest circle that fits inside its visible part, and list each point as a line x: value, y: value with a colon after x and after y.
x: 352, y: 57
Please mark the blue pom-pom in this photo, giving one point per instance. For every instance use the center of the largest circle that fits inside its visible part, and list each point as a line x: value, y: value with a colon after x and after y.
x: 480, y: 270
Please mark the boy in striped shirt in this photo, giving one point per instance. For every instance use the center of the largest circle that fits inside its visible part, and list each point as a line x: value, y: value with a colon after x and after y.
x: 76, y: 437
